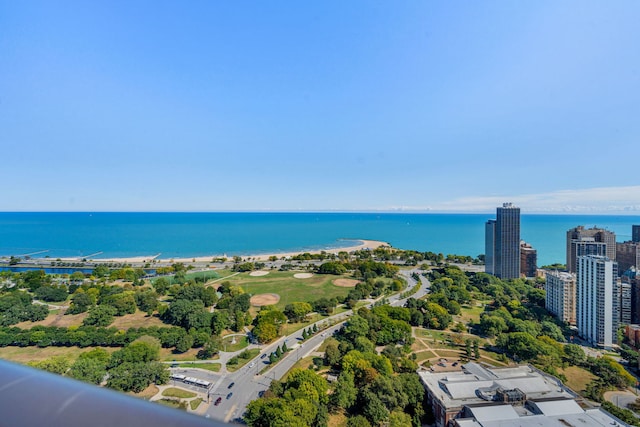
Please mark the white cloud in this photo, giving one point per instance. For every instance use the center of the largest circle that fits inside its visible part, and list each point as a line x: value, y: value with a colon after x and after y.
x: 618, y: 200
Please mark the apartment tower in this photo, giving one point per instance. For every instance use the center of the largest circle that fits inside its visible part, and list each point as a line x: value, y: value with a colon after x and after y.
x: 589, y: 241
x: 502, y: 243
x: 561, y: 295
x: 597, y: 300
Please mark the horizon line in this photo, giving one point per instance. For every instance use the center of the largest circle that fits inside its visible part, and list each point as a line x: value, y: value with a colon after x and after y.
x: 337, y: 211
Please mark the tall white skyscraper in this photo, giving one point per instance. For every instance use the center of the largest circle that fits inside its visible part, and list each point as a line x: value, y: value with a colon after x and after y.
x: 597, y: 300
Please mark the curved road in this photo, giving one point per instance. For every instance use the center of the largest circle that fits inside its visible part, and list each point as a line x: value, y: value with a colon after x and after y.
x: 249, y: 383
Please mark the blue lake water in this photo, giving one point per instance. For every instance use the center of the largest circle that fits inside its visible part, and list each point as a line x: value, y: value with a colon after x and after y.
x: 202, y: 234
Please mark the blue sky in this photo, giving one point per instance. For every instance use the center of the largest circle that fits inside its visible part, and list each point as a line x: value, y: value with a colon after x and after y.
x: 333, y: 105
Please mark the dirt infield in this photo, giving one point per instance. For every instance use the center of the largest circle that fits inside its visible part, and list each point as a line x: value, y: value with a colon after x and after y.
x: 346, y: 283
x: 258, y: 273
x: 264, y: 299
x: 303, y: 275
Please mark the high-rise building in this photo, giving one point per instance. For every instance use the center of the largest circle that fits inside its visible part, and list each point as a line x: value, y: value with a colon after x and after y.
x: 489, y: 246
x: 561, y: 295
x: 597, y: 300
x: 589, y: 241
x: 502, y: 245
x: 528, y: 260
x: 635, y: 233
x: 627, y: 255
x: 626, y: 298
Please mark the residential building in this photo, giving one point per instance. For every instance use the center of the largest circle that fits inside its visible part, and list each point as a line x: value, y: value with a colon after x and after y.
x: 489, y: 246
x: 502, y: 242
x: 560, y: 297
x: 597, y: 300
x: 589, y: 241
x: 528, y: 260
x: 627, y: 255
x: 479, y: 396
x: 626, y: 309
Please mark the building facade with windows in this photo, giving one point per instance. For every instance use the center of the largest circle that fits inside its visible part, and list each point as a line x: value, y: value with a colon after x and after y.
x: 597, y: 300
x: 560, y: 297
x: 589, y: 241
x: 502, y: 243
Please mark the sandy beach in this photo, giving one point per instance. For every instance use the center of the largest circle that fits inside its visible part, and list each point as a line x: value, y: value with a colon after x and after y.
x: 365, y: 244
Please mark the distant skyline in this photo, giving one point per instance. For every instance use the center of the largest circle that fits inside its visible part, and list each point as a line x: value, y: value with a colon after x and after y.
x: 320, y: 106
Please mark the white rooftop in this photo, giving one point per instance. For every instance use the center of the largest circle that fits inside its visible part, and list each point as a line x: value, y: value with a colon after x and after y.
x: 476, y: 384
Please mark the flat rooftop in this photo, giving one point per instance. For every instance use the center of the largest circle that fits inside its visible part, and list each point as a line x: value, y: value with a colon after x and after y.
x: 476, y: 384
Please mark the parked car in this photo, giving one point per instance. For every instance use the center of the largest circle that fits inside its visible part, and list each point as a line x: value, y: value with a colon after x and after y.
x: 229, y: 396
x: 231, y: 385
x: 218, y: 400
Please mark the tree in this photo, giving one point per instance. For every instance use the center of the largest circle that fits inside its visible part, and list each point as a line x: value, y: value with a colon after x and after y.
x: 161, y: 285
x: 51, y: 293
x: 332, y: 267
x: 136, y: 376
x: 80, y: 302
x: 358, y: 421
x: 91, y: 370
x: 265, y: 332
x: 144, y: 349
x: 184, y: 343
x: 297, y: 311
x: 57, y: 364
x: 399, y: 419
x: 345, y: 392
x: 356, y: 326
x: 147, y: 301
x: 101, y: 315
x: 209, y: 349
x: 492, y: 325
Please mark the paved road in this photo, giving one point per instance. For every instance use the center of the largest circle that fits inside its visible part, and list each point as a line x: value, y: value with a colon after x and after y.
x: 248, y: 383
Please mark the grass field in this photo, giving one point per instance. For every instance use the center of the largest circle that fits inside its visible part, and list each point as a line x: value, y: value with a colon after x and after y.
x: 240, y: 343
x: 214, y: 367
x: 337, y: 420
x: 60, y: 320
x: 171, y: 403
x: 470, y: 313
x: 424, y: 355
x: 241, y: 362
x: 178, y: 392
x: 577, y: 378
x: 450, y: 353
x: 147, y: 393
x: 193, y: 404
x: 168, y: 355
x: 289, y: 288
x: 137, y: 320
x: 28, y: 354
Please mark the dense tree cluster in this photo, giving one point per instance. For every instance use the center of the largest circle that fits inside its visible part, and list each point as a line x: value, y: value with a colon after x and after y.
x: 17, y: 307
x: 372, y: 388
x: 132, y: 368
x: 85, y: 336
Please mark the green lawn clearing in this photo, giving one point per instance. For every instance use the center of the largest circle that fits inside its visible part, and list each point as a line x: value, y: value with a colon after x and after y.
x: 178, y: 392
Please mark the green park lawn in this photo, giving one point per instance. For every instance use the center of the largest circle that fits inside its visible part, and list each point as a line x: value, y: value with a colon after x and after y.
x: 178, y: 392
x: 250, y: 354
x: 32, y: 353
x: 471, y: 312
x: 214, y: 367
x: 288, y: 287
x: 234, y: 343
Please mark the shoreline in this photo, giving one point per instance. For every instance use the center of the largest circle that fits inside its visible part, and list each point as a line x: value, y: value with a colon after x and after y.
x: 157, y: 259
